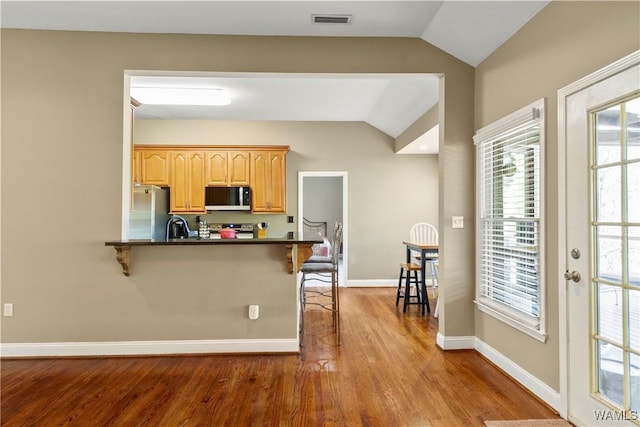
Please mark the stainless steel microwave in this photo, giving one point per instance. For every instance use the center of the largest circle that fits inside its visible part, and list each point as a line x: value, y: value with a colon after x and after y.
x: 227, y: 198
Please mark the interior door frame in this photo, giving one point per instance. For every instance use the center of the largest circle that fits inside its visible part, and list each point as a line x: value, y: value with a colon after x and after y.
x: 564, y: 93
x: 345, y: 210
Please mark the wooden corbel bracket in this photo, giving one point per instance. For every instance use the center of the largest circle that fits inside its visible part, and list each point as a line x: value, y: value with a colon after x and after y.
x: 123, y: 256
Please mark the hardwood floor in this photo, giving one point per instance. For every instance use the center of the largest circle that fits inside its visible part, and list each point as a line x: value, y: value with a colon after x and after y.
x: 387, y: 371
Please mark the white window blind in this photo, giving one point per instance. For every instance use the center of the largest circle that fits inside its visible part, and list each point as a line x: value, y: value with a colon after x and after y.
x: 509, y: 219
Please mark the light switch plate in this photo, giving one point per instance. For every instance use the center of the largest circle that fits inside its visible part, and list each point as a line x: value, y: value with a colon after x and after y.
x: 457, y: 222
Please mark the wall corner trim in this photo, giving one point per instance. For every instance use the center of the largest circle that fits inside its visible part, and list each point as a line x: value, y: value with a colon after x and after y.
x: 120, y: 348
x: 455, y: 343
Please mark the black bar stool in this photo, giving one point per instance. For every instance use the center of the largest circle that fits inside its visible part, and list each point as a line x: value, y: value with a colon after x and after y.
x: 409, y: 272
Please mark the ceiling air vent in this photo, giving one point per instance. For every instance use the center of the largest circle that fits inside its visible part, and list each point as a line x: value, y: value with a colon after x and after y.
x: 331, y: 19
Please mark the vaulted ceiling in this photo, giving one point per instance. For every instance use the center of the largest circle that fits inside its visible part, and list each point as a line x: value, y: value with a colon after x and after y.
x: 468, y: 30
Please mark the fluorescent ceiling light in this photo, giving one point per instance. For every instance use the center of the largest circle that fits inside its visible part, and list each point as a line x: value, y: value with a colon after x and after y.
x: 180, y: 96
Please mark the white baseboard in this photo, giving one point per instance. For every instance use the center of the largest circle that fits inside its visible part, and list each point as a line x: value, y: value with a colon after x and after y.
x: 372, y: 283
x: 533, y: 384
x: 455, y: 343
x: 122, y: 348
x: 550, y: 396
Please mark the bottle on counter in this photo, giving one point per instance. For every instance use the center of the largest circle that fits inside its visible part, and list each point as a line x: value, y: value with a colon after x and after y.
x: 203, y: 231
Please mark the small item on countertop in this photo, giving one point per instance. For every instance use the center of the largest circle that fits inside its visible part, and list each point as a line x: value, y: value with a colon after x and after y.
x: 227, y: 233
x: 203, y: 231
x: 262, y: 229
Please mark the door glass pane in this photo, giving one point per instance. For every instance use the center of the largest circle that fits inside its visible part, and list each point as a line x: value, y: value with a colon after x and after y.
x: 609, y: 253
x: 634, y: 320
x: 616, y: 249
x: 608, y: 136
x: 633, y: 192
x: 633, y: 129
x: 608, y: 194
x: 610, y: 372
x: 633, y: 260
x: 610, y: 312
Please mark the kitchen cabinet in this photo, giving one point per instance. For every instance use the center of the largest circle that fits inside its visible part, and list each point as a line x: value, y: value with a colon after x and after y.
x: 268, y: 181
x: 136, y: 168
x: 154, y: 167
x: 188, y: 169
x: 187, y: 181
x: 227, y: 168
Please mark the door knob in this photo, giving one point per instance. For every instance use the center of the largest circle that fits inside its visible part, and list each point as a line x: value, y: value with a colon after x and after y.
x: 574, y: 275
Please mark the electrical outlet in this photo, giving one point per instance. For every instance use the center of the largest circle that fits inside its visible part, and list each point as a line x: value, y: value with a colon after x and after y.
x: 254, y: 312
x: 8, y: 310
x: 290, y: 219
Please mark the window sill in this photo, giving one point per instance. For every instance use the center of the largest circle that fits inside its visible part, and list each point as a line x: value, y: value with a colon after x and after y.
x: 519, y: 323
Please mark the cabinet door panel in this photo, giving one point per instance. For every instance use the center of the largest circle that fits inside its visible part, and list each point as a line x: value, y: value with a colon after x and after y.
x: 260, y: 178
x: 180, y: 174
x: 136, y: 167
x: 155, y: 167
x: 196, y: 181
x: 239, y: 170
x: 216, y: 168
x: 278, y: 182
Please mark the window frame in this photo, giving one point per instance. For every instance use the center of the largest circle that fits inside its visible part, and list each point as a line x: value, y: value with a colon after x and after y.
x: 531, y: 114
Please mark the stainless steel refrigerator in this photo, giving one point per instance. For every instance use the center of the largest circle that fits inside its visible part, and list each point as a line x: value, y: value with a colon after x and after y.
x: 150, y: 212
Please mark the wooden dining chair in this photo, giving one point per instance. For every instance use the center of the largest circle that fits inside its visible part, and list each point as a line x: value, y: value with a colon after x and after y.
x: 426, y: 234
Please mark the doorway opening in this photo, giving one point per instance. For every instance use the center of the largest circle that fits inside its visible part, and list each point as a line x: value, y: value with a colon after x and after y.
x: 323, y: 197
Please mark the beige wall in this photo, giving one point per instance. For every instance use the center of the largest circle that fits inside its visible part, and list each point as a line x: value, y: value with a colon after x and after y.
x: 564, y: 42
x: 380, y: 214
x: 62, y: 151
x: 323, y: 199
x: 423, y: 124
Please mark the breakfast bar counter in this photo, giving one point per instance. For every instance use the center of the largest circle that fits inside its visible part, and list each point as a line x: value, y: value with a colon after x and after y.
x: 303, y: 243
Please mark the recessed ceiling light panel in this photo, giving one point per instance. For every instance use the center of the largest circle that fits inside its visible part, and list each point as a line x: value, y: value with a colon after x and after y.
x: 180, y: 96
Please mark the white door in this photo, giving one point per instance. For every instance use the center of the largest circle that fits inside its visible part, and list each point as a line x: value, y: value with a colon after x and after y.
x: 603, y: 245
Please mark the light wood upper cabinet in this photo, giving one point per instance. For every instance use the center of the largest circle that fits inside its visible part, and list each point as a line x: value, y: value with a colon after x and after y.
x: 269, y: 174
x: 187, y: 182
x: 216, y: 168
x: 154, y: 167
x: 136, y: 167
x: 239, y: 168
x: 189, y: 169
x: 230, y: 168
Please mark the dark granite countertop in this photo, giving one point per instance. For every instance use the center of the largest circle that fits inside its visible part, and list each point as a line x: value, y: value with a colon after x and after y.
x: 290, y: 239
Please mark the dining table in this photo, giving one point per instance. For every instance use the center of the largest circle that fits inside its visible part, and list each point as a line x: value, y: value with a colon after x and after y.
x: 425, y: 250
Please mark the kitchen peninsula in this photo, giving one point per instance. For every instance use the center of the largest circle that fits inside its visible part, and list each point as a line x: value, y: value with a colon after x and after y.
x: 213, y: 283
